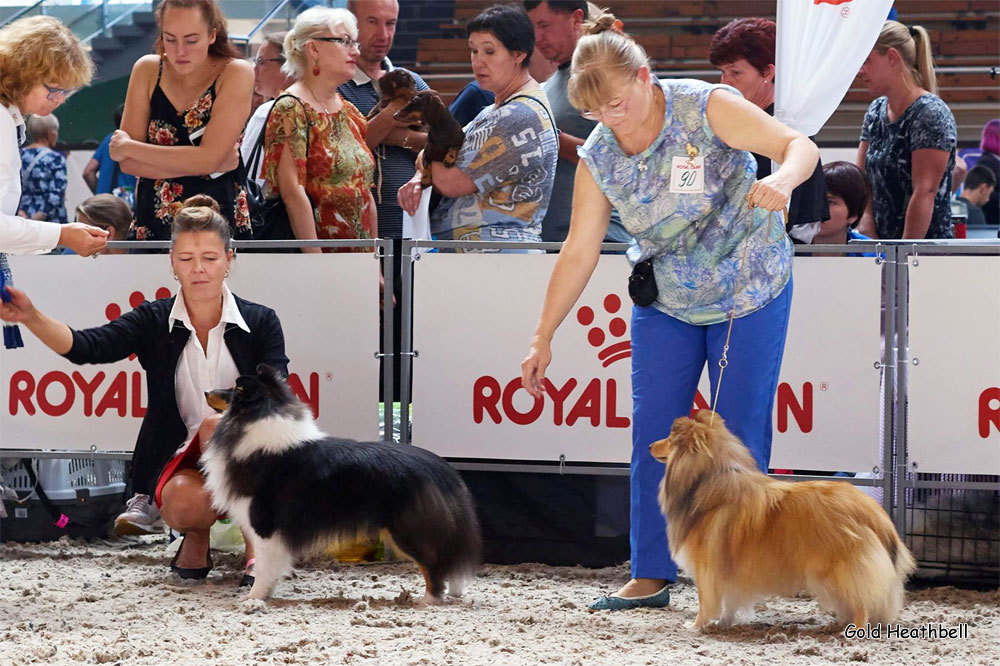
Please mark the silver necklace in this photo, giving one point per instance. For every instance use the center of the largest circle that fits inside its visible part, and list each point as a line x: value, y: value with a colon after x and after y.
x: 325, y: 110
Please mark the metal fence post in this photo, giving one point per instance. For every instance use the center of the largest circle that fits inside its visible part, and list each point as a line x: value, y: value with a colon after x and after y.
x: 889, y: 374
x: 901, y: 360
x: 406, y: 344
x: 389, y: 359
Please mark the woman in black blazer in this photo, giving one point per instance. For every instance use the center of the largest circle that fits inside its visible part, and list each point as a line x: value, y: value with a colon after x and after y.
x: 231, y: 337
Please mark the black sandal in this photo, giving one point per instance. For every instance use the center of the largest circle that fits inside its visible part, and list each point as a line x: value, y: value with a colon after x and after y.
x: 190, y: 574
x: 248, y: 577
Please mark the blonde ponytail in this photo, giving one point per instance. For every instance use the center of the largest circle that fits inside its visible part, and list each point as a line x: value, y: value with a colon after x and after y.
x: 924, y: 60
x: 914, y: 47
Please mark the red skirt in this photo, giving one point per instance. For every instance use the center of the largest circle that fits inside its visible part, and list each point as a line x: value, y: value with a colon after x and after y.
x: 186, y: 460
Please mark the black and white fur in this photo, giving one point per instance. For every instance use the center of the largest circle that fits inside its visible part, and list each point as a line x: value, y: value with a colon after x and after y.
x: 293, y: 489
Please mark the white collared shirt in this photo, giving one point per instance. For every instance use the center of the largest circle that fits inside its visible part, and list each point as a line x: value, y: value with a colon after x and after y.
x: 360, y: 78
x: 200, y: 370
x: 251, y: 135
x: 17, y: 234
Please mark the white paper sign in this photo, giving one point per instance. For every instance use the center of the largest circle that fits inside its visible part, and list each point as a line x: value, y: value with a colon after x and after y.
x: 474, y: 316
x: 687, y: 175
x: 954, y: 381
x: 328, y: 306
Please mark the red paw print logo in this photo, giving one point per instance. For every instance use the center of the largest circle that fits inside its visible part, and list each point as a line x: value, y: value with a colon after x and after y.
x: 617, y: 328
x: 135, y: 299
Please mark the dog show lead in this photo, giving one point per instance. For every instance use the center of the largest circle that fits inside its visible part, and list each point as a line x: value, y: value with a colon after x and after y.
x: 200, y: 340
x: 672, y: 158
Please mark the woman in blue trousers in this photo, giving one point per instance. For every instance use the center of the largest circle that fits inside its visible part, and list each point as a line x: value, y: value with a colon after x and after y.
x: 672, y: 158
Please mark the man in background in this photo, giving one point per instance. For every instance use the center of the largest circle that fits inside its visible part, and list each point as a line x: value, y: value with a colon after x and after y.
x: 558, y: 27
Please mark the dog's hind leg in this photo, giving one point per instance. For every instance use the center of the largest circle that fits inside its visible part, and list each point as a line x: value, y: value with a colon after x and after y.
x: 274, y: 560
x: 434, y: 587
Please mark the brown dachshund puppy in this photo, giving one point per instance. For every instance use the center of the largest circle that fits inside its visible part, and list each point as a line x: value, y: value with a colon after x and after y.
x: 397, y: 84
x: 444, y: 134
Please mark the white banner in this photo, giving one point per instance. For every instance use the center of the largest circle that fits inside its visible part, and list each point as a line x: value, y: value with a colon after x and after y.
x: 467, y: 400
x: 821, y: 45
x: 954, y: 379
x: 328, y: 306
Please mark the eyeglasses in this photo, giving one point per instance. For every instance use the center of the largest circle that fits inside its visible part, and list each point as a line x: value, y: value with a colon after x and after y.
x: 56, y: 93
x: 613, y: 110
x: 346, y: 42
x: 260, y: 61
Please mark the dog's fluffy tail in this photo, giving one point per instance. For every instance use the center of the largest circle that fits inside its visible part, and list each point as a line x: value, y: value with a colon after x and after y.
x: 882, y: 569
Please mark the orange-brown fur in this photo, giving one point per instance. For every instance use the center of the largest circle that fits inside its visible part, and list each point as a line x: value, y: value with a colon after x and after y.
x: 742, y: 535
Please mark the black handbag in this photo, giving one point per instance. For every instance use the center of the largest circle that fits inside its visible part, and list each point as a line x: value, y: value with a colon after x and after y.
x: 268, y: 216
x: 642, y: 284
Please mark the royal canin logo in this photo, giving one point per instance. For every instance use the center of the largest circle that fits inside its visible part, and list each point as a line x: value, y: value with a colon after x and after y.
x: 57, y: 393
x: 831, y: 2
x: 617, y: 328
x: 599, y: 398
x: 989, y: 411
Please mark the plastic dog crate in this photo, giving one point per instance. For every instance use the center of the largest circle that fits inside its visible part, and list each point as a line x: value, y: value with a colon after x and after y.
x: 88, y: 492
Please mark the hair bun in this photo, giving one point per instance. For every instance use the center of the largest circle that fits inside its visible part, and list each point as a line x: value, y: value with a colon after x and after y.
x: 201, y: 200
x: 606, y: 22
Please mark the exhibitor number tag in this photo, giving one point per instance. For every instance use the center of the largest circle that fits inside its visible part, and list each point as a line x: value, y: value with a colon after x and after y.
x: 687, y: 175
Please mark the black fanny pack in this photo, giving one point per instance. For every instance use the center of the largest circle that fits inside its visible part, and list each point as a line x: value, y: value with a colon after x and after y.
x: 642, y: 283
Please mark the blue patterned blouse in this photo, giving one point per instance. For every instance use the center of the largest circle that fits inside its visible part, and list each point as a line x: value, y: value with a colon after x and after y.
x: 43, y: 183
x: 696, y: 240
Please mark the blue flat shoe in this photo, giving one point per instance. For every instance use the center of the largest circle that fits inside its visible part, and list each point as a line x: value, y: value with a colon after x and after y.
x: 613, y: 603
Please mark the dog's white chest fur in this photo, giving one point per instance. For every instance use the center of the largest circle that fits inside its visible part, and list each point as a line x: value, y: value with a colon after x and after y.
x: 273, y: 435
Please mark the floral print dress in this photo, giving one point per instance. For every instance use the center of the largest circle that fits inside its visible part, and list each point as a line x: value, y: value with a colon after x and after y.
x: 158, y: 200
x: 339, y: 171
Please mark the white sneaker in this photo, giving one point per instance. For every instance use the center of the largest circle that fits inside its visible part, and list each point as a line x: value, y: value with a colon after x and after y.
x: 140, y: 517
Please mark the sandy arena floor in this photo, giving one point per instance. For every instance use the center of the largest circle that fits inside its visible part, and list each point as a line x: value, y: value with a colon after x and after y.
x: 113, y: 602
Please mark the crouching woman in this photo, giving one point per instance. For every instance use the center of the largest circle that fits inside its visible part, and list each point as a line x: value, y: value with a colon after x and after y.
x: 199, y: 340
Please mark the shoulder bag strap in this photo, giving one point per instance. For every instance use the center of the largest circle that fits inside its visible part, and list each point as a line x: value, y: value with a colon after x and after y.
x: 258, y: 149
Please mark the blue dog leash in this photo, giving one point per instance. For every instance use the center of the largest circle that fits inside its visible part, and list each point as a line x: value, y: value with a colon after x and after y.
x: 11, y: 333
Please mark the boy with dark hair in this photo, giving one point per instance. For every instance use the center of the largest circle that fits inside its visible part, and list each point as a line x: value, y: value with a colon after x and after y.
x: 847, y: 193
x: 979, y: 185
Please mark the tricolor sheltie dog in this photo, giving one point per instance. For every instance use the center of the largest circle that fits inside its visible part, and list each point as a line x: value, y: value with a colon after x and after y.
x: 293, y: 489
x: 742, y: 535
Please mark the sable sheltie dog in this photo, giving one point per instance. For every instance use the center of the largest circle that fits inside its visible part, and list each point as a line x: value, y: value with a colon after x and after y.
x: 293, y: 489
x: 742, y: 535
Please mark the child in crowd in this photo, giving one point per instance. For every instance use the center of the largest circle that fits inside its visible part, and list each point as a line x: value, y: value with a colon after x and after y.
x: 847, y: 192
x: 106, y: 211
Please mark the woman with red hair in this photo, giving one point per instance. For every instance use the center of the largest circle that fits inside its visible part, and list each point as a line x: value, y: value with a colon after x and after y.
x: 743, y: 50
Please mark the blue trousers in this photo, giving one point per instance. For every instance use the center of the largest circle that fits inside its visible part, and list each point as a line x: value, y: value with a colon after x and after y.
x: 668, y: 356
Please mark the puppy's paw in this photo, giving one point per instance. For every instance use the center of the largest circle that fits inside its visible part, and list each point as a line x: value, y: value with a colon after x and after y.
x: 250, y: 605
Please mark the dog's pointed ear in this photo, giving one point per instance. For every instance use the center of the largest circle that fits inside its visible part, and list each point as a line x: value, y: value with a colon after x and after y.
x: 266, y: 372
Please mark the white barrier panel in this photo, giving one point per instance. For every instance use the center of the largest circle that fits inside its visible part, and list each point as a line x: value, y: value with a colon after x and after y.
x: 328, y: 308
x: 954, y: 382
x: 473, y: 320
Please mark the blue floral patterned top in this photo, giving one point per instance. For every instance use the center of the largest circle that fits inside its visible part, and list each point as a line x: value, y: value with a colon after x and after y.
x: 696, y: 239
x: 43, y: 184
